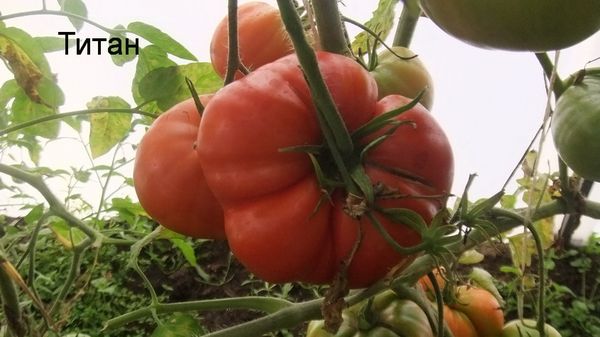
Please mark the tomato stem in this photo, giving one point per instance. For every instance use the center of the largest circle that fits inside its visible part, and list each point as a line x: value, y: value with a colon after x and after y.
x: 528, y: 223
x: 332, y: 34
x: 332, y: 125
x: 407, y: 23
x: 233, y: 57
x: 439, y: 300
x: 558, y: 85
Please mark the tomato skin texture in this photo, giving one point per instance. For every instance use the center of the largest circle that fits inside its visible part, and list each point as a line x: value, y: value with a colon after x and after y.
x: 261, y: 38
x: 523, y: 25
x: 575, y: 126
x: 406, y: 77
x: 270, y: 197
x: 459, y: 323
x: 481, y: 308
x: 392, y: 317
x: 527, y: 327
x: 168, y: 177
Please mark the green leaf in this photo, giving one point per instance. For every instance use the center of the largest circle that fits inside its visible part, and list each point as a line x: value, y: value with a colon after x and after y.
x: 381, y: 22
x: 107, y: 129
x: 50, y: 93
x: 150, y: 58
x: 128, y: 210
x: 179, y: 325
x: 186, y: 249
x: 121, y: 58
x: 161, y: 39
x: 34, y: 214
x: 8, y: 91
x: 168, y: 85
x: 76, y: 7
x: 51, y: 44
x: 23, y: 109
x: 508, y: 201
x: 68, y: 236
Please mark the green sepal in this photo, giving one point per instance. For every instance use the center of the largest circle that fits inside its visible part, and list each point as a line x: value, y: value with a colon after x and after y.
x: 383, y: 120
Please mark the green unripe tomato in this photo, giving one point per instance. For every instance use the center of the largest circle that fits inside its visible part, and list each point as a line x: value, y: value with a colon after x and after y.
x: 405, y: 75
x: 527, y: 25
x: 389, y: 317
x: 526, y: 327
x: 576, y: 126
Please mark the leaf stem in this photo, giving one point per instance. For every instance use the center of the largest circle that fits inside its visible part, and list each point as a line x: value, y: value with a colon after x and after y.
x: 332, y: 35
x: 63, y: 13
x: 49, y: 118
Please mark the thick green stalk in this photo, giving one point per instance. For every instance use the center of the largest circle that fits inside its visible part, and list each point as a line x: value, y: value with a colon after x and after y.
x: 332, y: 125
x: 548, y: 67
x: 407, y: 23
x: 332, y: 36
x: 264, y: 304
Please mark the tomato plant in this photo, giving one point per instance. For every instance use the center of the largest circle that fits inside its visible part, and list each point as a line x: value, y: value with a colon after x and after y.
x: 532, y: 25
x: 527, y: 327
x: 575, y: 126
x: 242, y: 140
x: 261, y: 38
x: 401, y: 72
x: 385, y: 316
x: 168, y: 177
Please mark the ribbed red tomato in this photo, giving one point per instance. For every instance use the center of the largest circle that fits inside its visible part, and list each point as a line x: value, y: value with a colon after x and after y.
x: 279, y: 222
x: 168, y: 177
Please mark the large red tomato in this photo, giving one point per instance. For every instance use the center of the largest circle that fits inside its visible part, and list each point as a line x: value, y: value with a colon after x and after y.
x: 168, y: 177
x: 279, y: 222
x: 261, y: 38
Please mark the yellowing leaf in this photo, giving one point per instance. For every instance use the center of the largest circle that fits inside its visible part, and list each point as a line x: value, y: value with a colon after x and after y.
x: 545, y: 229
x: 107, y: 128
x: 470, y: 256
x: 27, y: 74
x: 522, y: 247
x: 26, y: 60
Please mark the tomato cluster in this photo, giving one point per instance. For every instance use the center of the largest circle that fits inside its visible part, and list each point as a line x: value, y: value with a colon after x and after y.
x: 473, y: 312
x: 237, y: 173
